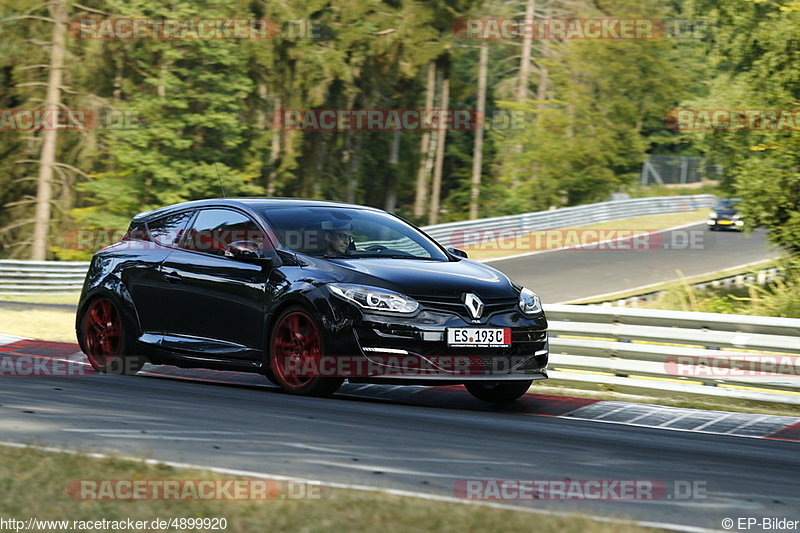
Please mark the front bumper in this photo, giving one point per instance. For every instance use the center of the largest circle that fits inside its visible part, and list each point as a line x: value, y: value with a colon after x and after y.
x: 403, y: 349
x: 725, y: 223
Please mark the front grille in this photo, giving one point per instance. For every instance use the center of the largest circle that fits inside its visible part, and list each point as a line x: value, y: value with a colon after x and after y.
x: 456, y: 306
x: 520, y: 355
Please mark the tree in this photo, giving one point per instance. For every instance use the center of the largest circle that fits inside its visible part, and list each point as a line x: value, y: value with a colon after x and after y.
x: 755, y: 57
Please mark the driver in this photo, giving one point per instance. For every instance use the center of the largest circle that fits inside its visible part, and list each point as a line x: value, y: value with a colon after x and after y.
x: 337, y: 237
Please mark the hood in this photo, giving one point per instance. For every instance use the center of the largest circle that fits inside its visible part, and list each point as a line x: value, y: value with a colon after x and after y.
x: 422, y: 278
x: 726, y: 212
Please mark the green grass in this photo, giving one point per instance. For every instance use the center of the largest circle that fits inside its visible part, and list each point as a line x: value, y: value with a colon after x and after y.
x: 66, y: 298
x: 34, y: 484
x: 49, y: 325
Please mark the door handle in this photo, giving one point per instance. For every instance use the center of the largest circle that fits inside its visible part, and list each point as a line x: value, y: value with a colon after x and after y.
x: 172, y: 277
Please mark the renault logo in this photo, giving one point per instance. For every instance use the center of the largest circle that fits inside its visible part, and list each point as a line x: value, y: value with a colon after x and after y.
x: 474, y: 305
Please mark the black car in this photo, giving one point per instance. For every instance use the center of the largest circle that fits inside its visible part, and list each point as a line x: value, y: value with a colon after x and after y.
x: 725, y: 215
x: 308, y: 293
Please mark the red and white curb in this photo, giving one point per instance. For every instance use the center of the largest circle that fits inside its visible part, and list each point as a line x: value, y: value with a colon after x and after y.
x: 773, y: 427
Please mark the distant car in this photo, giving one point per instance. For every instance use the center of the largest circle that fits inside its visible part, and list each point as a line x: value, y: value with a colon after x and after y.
x: 309, y: 294
x: 725, y: 215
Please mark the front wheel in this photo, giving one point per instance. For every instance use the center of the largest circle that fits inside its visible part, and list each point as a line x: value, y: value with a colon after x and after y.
x: 296, y: 355
x: 498, y: 391
x: 107, y: 341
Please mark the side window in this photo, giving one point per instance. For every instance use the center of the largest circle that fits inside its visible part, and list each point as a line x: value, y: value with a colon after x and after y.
x: 214, y: 229
x: 167, y: 230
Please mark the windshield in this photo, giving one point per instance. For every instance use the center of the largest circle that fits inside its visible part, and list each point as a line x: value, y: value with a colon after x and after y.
x: 727, y: 203
x: 341, y: 232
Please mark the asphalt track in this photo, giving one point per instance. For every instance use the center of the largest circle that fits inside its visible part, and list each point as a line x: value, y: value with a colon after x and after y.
x: 565, y: 275
x: 417, y: 439
x: 426, y: 440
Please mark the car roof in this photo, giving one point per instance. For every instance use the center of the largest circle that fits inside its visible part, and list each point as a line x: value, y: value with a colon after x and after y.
x: 249, y: 204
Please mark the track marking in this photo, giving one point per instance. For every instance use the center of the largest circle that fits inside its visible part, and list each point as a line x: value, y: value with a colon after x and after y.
x: 747, y: 424
x: 713, y: 421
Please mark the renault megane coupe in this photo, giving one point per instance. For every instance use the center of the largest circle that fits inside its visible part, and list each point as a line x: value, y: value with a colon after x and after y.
x: 310, y: 294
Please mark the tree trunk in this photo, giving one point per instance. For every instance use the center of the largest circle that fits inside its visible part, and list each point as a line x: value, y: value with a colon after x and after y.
x: 525, y: 62
x: 47, y: 158
x: 424, y: 147
x: 433, y: 213
x: 355, y: 168
x: 275, y: 149
x: 390, y: 200
x: 477, y: 150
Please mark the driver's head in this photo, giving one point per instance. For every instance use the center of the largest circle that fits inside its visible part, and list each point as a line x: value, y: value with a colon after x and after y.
x: 336, y: 242
x: 337, y: 236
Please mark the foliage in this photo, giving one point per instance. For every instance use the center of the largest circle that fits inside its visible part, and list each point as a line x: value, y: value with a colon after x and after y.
x: 754, y: 60
x: 201, y: 110
x: 779, y: 298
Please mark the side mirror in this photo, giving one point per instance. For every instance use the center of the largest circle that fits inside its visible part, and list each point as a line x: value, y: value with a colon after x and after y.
x: 458, y: 253
x: 247, y: 251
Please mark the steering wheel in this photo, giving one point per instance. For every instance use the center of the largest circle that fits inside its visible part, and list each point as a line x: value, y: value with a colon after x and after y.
x: 376, y: 248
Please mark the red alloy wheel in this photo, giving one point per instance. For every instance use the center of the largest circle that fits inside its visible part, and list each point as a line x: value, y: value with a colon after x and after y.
x: 102, y: 332
x: 296, y: 348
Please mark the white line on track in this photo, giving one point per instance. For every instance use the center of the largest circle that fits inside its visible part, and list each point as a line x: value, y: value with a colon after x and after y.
x: 713, y: 421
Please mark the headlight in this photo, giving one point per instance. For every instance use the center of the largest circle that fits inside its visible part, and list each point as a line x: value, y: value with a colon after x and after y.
x: 374, y: 298
x: 529, y: 302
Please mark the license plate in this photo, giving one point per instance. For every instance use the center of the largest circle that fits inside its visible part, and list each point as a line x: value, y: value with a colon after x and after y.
x: 725, y: 222
x: 497, y: 337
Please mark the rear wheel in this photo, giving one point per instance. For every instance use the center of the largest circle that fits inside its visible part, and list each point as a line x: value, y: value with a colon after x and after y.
x: 296, y: 352
x: 498, y: 391
x: 107, y: 341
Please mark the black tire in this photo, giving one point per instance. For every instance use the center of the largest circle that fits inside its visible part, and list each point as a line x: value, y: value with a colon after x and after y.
x: 118, y: 354
x: 299, y: 385
x: 270, y: 375
x: 498, y: 391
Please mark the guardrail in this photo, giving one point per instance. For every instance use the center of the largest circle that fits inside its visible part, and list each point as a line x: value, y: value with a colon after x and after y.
x: 452, y: 233
x: 30, y: 277
x: 738, y: 356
